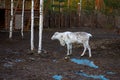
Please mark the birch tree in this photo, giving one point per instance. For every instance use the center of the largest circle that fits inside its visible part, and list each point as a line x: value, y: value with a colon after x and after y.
x: 32, y: 25
x: 11, y: 21
x: 80, y: 7
x: 22, y: 24
x: 40, y: 26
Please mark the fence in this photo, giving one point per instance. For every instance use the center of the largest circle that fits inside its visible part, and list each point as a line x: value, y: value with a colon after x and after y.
x: 72, y: 19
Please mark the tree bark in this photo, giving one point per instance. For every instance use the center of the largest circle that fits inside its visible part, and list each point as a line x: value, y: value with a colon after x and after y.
x: 32, y: 26
x: 40, y: 26
x: 80, y: 7
x: 22, y: 24
x: 11, y: 21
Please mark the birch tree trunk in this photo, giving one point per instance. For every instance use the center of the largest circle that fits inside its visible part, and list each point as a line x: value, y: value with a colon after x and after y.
x: 80, y: 7
x: 22, y: 24
x: 40, y: 26
x: 32, y: 25
x: 11, y: 21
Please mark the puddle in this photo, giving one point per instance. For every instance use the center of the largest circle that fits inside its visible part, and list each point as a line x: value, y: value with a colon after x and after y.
x: 84, y: 62
x: 57, y: 77
x: 101, y: 77
x: 81, y: 73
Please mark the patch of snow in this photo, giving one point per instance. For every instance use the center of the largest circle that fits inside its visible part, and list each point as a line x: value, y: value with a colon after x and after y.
x: 101, y: 77
x: 57, y: 77
x: 84, y: 62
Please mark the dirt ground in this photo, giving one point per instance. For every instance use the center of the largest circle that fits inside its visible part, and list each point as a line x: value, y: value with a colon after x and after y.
x: 18, y: 63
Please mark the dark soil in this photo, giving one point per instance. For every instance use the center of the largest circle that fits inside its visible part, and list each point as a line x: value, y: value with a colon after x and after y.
x: 18, y: 63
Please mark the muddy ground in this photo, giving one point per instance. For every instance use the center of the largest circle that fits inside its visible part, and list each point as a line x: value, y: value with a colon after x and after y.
x: 18, y: 63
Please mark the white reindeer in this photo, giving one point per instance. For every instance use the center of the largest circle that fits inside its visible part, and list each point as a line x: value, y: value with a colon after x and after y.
x: 68, y: 38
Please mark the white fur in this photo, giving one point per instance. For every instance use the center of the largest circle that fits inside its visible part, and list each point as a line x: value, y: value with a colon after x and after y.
x: 68, y: 38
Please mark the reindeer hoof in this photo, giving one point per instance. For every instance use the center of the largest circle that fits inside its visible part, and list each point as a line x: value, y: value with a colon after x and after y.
x: 82, y: 55
x: 90, y: 56
x: 67, y: 57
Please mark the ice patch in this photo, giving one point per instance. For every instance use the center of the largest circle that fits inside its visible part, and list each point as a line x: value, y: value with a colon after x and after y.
x: 84, y: 62
x: 101, y: 77
x: 57, y: 77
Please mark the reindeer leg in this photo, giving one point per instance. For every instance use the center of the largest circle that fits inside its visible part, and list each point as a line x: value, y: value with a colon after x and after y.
x: 68, y: 49
x: 89, y: 49
x: 83, y: 50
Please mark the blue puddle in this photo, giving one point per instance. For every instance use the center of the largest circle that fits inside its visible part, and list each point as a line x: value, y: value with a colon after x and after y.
x: 81, y: 73
x: 101, y: 77
x: 84, y: 62
x: 57, y: 77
